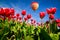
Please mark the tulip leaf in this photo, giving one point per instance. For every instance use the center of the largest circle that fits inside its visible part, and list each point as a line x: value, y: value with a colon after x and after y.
x: 44, y: 35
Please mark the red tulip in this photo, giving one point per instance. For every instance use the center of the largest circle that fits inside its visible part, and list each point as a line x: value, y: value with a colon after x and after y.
x: 58, y: 25
x: 12, y: 11
x: 29, y: 16
x: 42, y: 15
x: 13, y: 16
x: 6, y: 12
x: 23, y: 12
x: 20, y: 18
x: 1, y: 11
x: 18, y: 15
x: 25, y: 18
x: 57, y: 20
x: 51, y: 11
x: 51, y: 17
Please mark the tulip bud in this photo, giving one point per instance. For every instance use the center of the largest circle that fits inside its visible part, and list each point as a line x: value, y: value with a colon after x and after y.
x: 23, y: 12
x: 57, y: 20
x: 18, y: 15
x: 38, y: 24
x: 58, y: 25
x: 42, y: 15
x: 20, y: 18
x: 31, y: 19
x: 29, y: 16
x: 12, y: 11
x: 47, y: 22
x: 51, y: 17
x: 25, y: 18
x: 49, y: 11
x: 13, y: 16
x: 1, y: 11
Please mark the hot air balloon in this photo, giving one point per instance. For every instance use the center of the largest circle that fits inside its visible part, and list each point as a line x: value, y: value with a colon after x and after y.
x: 34, y: 5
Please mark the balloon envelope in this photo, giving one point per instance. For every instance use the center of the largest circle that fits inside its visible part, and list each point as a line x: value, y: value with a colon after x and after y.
x: 34, y: 5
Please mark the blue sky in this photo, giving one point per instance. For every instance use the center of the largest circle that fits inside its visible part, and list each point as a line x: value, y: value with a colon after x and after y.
x: 20, y: 5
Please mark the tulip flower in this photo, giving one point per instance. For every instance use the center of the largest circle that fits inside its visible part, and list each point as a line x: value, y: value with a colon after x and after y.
x: 18, y: 15
x: 51, y: 17
x: 32, y: 19
x: 33, y: 22
x: 51, y: 11
x: 29, y: 16
x: 38, y: 24
x: 20, y: 18
x: 58, y: 25
x: 13, y: 17
x: 57, y: 20
x: 9, y: 17
x: 25, y: 18
x: 42, y: 15
x: 12, y: 11
x: 1, y: 11
x: 47, y: 22
x: 23, y: 12
x: 6, y: 12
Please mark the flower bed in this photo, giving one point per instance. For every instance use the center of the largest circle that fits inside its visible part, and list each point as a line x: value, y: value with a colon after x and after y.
x: 17, y: 27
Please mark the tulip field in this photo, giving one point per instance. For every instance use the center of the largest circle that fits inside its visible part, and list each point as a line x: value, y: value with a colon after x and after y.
x: 22, y: 26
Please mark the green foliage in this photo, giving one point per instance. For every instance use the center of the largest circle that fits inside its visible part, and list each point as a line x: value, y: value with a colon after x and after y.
x: 13, y: 29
